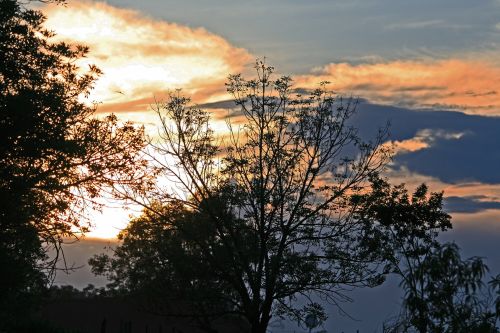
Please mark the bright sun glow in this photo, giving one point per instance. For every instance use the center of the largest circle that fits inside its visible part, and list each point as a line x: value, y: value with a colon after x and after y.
x: 109, y: 223
x: 142, y: 59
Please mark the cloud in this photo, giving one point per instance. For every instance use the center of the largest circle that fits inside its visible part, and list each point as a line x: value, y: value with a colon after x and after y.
x: 78, y: 254
x: 467, y: 85
x: 462, y: 201
x: 423, y: 139
x: 142, y: 57
x: 415, y: 24
x: 469, y: 204
x: 449, y: 151
x: 426, y: 24
x: 459, y: 148
x: 468, y: 198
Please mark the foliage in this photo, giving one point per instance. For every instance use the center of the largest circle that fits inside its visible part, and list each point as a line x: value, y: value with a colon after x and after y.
x: 68, y: 292
x: 282, y: 182
x: 162, y: 263
x: 405, y: 227
x: 443, y: 293
x: 56, y: 156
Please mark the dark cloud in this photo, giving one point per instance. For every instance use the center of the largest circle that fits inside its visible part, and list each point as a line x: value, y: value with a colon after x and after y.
x: 474, y: 156
x: 367, y: 86
x: 227, y: 104
x: 77, y: 255
x: 462, y: 147
x: 469, y: 204
x: 480, y: 94
x: 420, y: 88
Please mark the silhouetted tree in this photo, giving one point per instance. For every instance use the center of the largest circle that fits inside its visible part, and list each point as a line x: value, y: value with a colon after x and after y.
x: 170, y: 274
x: 68, y: 292
x: 443, y: 293
x: 56, y: 157
x: 286, y: 173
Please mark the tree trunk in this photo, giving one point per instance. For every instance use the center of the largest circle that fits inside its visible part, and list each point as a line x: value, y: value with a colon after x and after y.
x: 260, y: 325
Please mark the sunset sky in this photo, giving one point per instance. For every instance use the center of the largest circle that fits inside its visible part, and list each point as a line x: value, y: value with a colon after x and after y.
x: 430, y: 67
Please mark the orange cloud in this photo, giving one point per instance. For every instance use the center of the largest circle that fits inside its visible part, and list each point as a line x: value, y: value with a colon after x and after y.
x: 423, y: 139
x: 485, y: 221
x: 410, y: 145
x: 466, y: 85
x: 142, y: 57
x: 490, y: 192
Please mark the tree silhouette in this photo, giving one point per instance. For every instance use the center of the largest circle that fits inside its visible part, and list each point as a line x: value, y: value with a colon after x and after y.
x: 286, y: 174
x: 443, y: 293
x: 56, y: 157
x: 171, y: 274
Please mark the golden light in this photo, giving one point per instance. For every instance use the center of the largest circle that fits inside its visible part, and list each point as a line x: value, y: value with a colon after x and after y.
x: 108, y: 223
x: 470, y: 86
x: 142, y: 57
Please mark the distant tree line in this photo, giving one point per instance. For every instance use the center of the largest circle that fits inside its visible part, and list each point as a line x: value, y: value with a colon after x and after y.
x: 283, y: 213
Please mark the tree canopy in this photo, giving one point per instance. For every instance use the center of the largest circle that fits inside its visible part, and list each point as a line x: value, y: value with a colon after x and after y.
x: 274, y: 192
x: 271, y: 219
x: 56, y: 155
x: 170, y: 273
x: 442, y: 292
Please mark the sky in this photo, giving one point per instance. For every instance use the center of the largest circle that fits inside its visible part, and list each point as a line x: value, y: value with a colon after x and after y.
x: 430, y: 67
